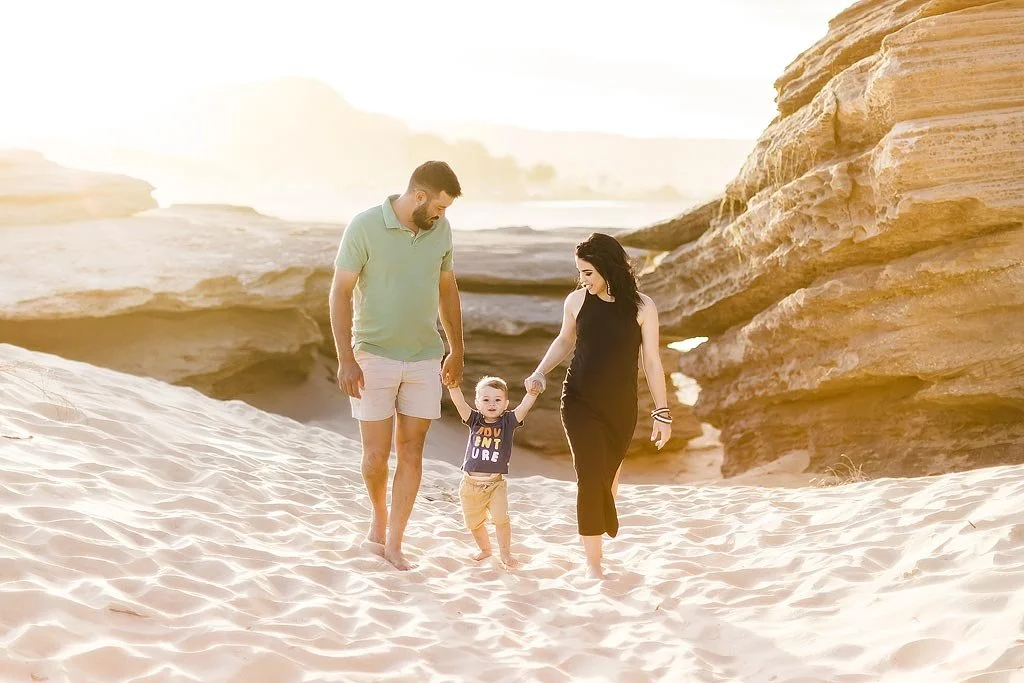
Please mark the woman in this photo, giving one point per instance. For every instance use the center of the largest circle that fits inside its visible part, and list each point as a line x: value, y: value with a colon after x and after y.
x: 607, y: 322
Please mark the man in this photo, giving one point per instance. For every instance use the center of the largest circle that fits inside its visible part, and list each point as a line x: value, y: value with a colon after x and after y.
x: 396, y: 259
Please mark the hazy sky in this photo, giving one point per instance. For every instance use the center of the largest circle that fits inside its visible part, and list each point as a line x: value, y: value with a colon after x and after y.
x: 642, y: 67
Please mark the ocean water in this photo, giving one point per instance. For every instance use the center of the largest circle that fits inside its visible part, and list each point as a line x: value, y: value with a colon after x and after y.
x: 464, y: 214
x: 544, y: 215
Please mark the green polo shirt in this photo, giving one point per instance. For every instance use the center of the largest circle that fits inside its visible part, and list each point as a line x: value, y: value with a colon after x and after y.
x: 396, y: 296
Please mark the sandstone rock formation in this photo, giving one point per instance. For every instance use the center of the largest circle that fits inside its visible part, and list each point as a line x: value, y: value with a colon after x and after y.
x: 34, y: 190
x: 684, y: 228
x: 866, y: 302
x: 217, y: 298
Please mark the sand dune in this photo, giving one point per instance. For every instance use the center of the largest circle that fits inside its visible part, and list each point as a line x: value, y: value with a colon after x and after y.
x: 152, y: 534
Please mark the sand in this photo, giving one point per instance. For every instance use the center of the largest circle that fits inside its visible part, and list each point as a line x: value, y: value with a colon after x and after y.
x: 149, y: 533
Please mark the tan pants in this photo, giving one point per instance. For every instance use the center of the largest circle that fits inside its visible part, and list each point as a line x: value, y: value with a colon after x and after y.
x: 482, y: 497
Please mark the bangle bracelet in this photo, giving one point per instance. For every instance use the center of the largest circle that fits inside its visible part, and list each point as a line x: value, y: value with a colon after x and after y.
x: 663, y: 420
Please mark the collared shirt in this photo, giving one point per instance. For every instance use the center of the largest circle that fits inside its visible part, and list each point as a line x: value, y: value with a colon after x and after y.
x: 397, y: 293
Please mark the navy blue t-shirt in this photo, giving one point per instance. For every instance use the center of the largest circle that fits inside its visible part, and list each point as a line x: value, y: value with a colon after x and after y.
x: 490, y: 443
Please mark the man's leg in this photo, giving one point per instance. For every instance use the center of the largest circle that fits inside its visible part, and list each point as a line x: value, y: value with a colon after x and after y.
x: 375, y: 410
x: 376, y: 439
x: 410, y: 435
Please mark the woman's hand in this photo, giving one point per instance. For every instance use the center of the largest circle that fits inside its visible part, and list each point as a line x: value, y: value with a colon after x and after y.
x: 661, y: 433
x: 535, y: 383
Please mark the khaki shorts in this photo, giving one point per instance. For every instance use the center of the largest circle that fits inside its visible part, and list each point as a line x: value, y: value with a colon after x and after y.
x: 481, y: 497
x: 413, y: 388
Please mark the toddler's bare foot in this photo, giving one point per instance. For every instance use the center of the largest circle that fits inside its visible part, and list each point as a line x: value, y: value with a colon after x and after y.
x: 508, y: 561
x: 482, y: 555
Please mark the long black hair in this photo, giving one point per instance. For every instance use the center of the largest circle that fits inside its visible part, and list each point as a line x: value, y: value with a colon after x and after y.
x: 610, y: 260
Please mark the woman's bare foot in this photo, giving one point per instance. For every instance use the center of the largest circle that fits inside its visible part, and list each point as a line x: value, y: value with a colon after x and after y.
x: 508, y: 561
x: 595, y: 572
x: 482, y: 555
x: 397, y: 559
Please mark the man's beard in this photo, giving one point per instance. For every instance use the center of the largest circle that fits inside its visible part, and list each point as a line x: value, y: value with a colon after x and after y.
x: 421, y: 219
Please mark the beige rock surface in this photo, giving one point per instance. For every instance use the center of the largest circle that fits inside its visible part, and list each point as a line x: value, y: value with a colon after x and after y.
x: 684, y: 228
x: 852, y: 308
x: 911, y: 366
x: 217, y: 298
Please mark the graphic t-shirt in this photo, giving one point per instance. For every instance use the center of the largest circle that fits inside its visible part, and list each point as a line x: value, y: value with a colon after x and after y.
x: 490, y: 443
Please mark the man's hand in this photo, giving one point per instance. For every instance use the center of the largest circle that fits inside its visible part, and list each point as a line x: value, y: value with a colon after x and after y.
x: 451, y: 369
x: 350, y: 377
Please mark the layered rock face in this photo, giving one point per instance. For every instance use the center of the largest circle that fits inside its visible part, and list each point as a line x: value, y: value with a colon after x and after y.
x: 217, y: 298
x: 865, y: 301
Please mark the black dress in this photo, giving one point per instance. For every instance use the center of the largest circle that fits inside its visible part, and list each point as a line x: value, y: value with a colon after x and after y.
x: 599, y: 407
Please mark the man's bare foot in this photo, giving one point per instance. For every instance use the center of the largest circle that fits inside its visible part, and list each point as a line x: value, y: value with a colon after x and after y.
x: 508, y: 561
x: 377, y: 533
x: 397, y: 559
x: 595, y: 572
x: 373, y: 547
x: 482, y: 555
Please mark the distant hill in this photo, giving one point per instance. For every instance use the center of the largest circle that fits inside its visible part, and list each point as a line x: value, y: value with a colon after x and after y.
x: 301, y: 134
x: 696, y: 167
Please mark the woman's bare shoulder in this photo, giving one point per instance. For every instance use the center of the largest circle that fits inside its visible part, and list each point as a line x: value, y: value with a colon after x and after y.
x: 575, y: 297
x: 574, y: 301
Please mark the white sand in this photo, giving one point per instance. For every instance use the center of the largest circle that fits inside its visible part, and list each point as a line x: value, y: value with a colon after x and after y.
x: 148, y: 533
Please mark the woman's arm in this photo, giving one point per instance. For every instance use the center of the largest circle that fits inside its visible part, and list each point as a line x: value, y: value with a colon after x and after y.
x: 563, y: 344
x: 654, y: 371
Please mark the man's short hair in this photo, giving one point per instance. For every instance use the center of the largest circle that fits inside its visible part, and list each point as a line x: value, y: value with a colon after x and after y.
x: 435, y: 177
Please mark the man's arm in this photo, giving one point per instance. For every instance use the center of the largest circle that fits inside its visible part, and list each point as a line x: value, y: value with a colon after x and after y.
x: 450, y: 312
x: 350, y: 376
x: 460, y: 402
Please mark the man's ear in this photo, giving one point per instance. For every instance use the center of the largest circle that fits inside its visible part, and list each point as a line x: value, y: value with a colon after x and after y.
x: 421, y: 197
